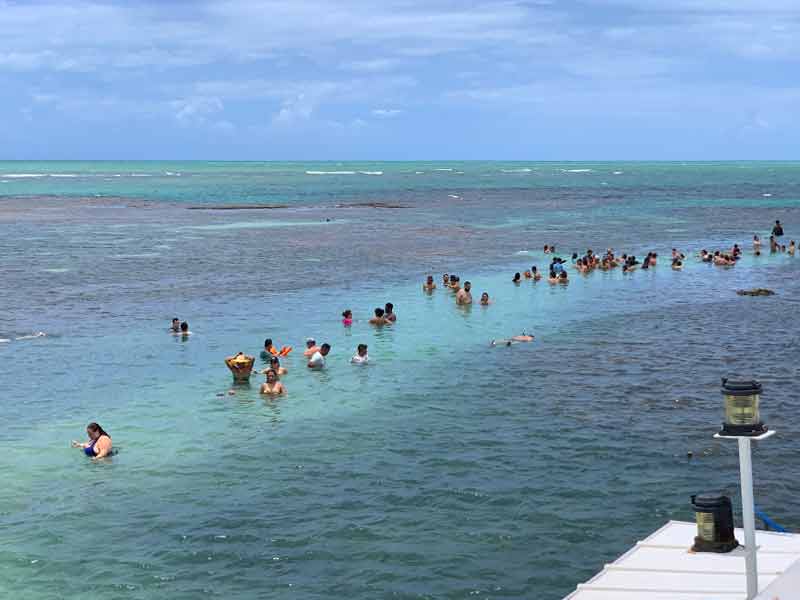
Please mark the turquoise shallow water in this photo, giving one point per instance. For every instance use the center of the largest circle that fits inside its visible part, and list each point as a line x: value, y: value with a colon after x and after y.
x: 445, y: 469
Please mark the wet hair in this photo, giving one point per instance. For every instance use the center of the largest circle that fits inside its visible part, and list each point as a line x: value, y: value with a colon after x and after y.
x: 430, y: 278
x: 552, y: 274
x: 274, y: 361
x: 362, y: 347
x: 184, y: 326
x: 389, y: 307
x: 347, y: 314
x: 517, y: 276
x: 268, y: 343
x: 379, y: 312
x: 325, y: 346
x: 467, y: 283
x: 95, y: 427
x: 546, y: 247
x: 453, y: 278
x: 574, y: 255
x: 533, y: 269
x: 563, y: 274
x: 175, y: 319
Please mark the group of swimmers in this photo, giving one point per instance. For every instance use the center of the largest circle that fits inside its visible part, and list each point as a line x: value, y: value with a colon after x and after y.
x: 463, y: 295
x: 99, y: 444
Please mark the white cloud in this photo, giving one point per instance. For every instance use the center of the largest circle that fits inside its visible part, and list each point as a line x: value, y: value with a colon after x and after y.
x: 192, y: 111
x: 386, y: 113
x: 294, y: 110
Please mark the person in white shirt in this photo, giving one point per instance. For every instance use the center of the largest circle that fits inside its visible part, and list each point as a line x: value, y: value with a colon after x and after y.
x: 317, y: 360
x: 360, y: 357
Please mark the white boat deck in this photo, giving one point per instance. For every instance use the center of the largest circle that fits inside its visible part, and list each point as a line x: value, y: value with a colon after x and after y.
x: 662, y: 568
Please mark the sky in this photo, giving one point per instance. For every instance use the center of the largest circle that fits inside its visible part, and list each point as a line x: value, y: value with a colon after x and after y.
x: 400, y: 79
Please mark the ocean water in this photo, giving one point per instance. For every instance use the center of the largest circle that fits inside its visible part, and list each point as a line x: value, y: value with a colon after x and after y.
x: 444, y: 469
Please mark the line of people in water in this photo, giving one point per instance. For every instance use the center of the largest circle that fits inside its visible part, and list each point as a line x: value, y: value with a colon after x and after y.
x: 99, y: 444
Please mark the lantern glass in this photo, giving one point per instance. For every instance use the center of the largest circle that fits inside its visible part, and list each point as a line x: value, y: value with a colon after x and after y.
x: 706, y: 529
x: 742, y: 410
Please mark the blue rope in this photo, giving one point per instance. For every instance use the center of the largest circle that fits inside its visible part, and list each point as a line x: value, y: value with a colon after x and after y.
x: 769, y: 522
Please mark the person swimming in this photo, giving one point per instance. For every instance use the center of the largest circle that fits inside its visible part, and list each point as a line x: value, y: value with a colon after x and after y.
x: 272, y: 387
x: 99, y: 444
x: 317, y: 360
x: 517, y: 339
x: 176, y: 325
x: 347, y: 318
x: 547, y: 249
x: 429, y: 284
x: 267, y: 351
x: 535, y: 273
x: 517, y: 278
x: 185, y: 329
x: 360, y: 357
x: 563, y: 279
x: 553, y: 278
x: 777, y: 231
x: 485, y: 299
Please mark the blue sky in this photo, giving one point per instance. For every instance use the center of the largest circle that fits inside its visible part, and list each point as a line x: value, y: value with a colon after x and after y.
x: 401, y: 79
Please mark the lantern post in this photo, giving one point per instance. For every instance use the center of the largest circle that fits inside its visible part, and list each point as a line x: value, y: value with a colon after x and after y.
x: 743, y: 423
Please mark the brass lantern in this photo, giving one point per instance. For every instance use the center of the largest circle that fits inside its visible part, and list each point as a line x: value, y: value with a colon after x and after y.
x: 742, y: 417
x: 714, y: 515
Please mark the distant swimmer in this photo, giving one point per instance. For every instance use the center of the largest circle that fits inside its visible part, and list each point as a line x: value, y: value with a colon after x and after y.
x: 429, y: 284
x: 777, y: 231
x: 527, y: 275
x: 379, y: 320
x: 360, y: 357
x: 455, y: 284
x: 547, y: 249
x: 317, y: 360
x: 388, y: 313
x: 517, y: 278
x: 553, y: 278
x: 99, y: 444
x: 446, y: 280
x: 485, y: 299
x: 347, y: 318
x: 563, y: 279
x: 185, y: 329
x: 756, y: 242
x: 791, y: 248
x: 517, y: 339
x: 240, y: 366
x: 677, y: 264
x: 311, y: 347
x: 464, y: 296
x: 535, y: 273
x: 272, y: 387
x: 176, y: 325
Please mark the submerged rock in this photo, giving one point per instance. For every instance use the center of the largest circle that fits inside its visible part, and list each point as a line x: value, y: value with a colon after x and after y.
x: 756, y: 292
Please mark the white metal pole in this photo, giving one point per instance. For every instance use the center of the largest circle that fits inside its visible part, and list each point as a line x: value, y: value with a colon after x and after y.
x: 748, y: 516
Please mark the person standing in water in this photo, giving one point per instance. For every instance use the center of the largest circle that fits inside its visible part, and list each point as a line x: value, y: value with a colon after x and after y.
x: 176, y: 325
x: 429, y: 285
x: 185, y: 330
x: 388, y: 313
x: 347, y: 318
x: 464, y: 296
x: 317, y: 361
x: 379, y: 320
x: 777, y: 231
x: 360, y: 357
x: 311, y: 347
x: 99, y: 444
x: 272, y: 387
x: 485, y: 299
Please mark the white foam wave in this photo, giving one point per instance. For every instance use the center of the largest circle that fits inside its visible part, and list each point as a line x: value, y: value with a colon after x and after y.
x: 55, y: 270
x: 172, y: 174
x: 524, y: 252
x: 63, y: 175
x: 23, y: 175
x: 766, y: 195
x: 453, y: 196
x: 33, y: 336
x: 330, y: 172
x: 443, y: 169
x: 419, y: 172
x: 516, y: 170
x: 618, y: 172
x: 4, y: 340
x: 142, y: 255
x: 139, y: 175
x: 576, y: 170
x: 371, y: 172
